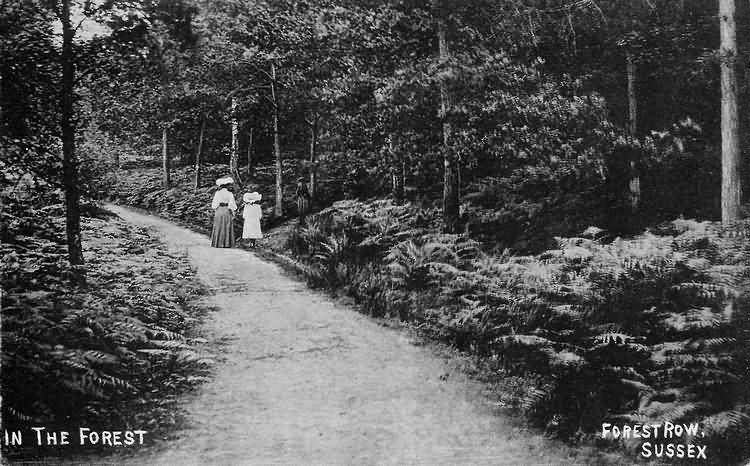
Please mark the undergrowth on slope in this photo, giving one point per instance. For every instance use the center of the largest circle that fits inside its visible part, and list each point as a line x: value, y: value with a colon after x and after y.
x: 643, y: 330
x: 113, y: 354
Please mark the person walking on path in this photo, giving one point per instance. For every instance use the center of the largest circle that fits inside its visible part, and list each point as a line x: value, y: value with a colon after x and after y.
x: 222, y: 234
x: 252, y: 213
x: 303, y: 200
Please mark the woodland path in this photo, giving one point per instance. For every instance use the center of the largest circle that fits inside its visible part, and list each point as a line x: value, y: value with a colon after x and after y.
x: 305, y: 381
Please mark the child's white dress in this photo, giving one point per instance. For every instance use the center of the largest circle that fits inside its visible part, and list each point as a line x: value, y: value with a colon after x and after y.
x: 252, y: 214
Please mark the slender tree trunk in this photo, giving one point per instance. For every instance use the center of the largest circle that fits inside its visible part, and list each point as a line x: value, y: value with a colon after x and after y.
x: 279, y: 207
x: 635, y: 179
x: 250, y: 154
x: 459, y: 164
x: 402, y: 160
x: 313, y: 158
x: 198, y: 153
x: 632, y: 102
x: 165, y: 157
x: 234, y: 156
x: 730, y: 142
x: 397, y: 174
x: 68, y: 129
x: 450, y: 176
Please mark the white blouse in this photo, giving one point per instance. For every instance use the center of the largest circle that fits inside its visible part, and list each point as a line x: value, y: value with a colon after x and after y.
x: 224, y: 196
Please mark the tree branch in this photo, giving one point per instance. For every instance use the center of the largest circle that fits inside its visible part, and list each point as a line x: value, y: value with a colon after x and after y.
x: 270, y: 100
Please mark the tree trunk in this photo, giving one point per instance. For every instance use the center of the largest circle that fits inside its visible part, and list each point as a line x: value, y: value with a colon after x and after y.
x: 165, y: 157
x: 250, y: 154
x: 450, y: 175
x: 70, y: 158
x: 198, y: 153
x: 730, y: 142
x: 279, y: 207
x: 632, y: 102
x: 635, y: 180
x: 234, y: 155
x: 402, y: 160
x: 313, y: 159
x: 397, y: 174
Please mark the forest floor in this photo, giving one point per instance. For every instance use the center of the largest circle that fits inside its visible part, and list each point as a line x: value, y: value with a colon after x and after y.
x: 303, y: 380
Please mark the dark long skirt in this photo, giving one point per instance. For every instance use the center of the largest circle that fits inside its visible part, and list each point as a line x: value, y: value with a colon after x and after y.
x: 222, y: 234
x: 303, y: 206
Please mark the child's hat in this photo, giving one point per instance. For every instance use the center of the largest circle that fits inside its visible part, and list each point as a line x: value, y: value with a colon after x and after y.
x: 251, y: 197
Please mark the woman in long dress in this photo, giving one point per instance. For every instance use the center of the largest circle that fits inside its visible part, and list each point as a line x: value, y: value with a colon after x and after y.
x: 222, y: 234
x: 252, y: 213
x: 303, y: 200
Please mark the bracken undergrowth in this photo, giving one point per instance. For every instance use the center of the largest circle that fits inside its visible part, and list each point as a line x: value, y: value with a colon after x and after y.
x: 114, y: 353
x: 650, y: 329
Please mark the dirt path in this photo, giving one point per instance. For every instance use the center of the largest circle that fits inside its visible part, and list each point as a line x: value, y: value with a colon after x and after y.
x: 304, y: 381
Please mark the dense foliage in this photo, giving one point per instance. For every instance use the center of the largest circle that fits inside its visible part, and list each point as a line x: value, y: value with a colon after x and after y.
x: 538, y: 104
x: 117, y: 352
x: 537, y: 100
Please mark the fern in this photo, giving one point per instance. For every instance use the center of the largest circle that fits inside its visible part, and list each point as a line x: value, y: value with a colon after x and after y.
x: 720, y: 423
x: 169, y: 344
x: 523, y: 340
x: 536, y: 397
x: 674, y: 411
x: 612, y: 338
x: 157, y: 333
x: 564, y: 358
x: 17, y: 414
x: 693, y: 319
x: 100, y: 357
x: 636, y: 385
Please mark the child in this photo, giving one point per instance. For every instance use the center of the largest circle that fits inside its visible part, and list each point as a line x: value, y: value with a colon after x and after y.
x: 252, y: 214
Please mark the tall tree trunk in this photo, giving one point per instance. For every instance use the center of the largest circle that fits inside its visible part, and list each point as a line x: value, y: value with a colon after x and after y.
x: 165, y: 157
x: 402, y: 161
x: 279, y: 207
x: 250, y: 154
x: 635, y: 179
x: 234, y: 156
x: 397, y: 174
x: 313, y: 158
x: 632, y: 102
x: 730, y: 141
x: 198, y: 153
x: 450, y: 175
x: 68, y: 129
x: 459, y: 164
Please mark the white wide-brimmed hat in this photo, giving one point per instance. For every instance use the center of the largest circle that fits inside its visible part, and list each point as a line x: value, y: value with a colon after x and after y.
x: 251, y: 197
x: 224, y: 180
